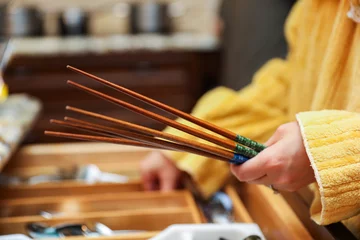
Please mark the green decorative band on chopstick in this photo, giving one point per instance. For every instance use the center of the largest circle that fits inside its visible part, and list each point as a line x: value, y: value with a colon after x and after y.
x: 248, y: 152
x: 250, y: 143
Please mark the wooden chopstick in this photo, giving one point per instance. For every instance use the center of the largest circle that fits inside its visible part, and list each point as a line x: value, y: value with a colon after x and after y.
x: 97, y: 139
x: 193, y: 144
x: 156, y: 143
x: 134, y: 136
x: 98, y: 131
x: 231, y: 145
x: 143, y: 137
x: 221, y: 131
x: 112, y: 131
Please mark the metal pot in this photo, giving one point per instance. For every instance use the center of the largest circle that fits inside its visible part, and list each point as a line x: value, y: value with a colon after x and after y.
x: 3, y: 12
x: 25, y: 21
x: 73, y: 21
x: 150, y: 17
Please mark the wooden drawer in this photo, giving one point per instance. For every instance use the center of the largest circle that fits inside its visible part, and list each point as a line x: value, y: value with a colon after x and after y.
x: 132, y: 211
x: 125, y: 206
x: 97, y: 203
x: 52, y: 158
x: 66, y: 189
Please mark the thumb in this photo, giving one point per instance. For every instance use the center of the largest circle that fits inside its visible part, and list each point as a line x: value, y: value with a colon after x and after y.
x: 274, y: 138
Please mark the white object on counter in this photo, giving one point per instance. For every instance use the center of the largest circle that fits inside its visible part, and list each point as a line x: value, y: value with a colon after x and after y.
x: 14, y: 237
x: 104, y: 230
x: 92, y: 174
x: 43, y: 179
x: 209, y: 232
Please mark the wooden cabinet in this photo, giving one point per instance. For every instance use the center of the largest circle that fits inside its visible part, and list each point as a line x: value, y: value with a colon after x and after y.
x: 175, y: 78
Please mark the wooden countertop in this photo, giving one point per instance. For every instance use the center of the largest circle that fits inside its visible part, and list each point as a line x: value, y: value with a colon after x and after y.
x: 116, y: 43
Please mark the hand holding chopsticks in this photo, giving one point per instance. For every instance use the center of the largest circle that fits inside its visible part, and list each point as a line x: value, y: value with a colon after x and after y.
x: 231, y: 147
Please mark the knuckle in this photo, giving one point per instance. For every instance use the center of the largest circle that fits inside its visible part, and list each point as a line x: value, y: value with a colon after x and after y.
x: 284, y: 128
x: 281, y: 129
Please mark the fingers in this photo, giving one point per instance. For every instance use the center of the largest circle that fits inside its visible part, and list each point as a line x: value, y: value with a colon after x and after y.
x: 159, y: 173
x: 149, y: 176
x: 284, y: 164
x: 149, y: 171
x: 267, y: 168
x: 253, y: 169
x: 168, y: 182
x: 149, y: 181
x: 169, y: 176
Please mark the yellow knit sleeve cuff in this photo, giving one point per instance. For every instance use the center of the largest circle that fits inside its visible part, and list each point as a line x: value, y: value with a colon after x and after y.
x: 332, y: 141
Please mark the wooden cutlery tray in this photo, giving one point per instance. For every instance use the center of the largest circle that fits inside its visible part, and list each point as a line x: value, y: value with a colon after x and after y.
x: 123, y: 205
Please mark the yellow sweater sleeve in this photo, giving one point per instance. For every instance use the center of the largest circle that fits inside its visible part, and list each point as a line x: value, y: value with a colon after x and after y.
x: 254, y: 112
x: 332, y: 140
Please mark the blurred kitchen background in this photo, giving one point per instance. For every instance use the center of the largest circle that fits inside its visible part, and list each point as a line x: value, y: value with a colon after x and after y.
x: 170, y: 50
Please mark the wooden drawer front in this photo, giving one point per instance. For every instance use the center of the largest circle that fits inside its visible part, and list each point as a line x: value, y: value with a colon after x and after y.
x: 66, y: 189
x: 149, y: 220
x: 49, y: 160
x: 96, y: 203
x: 63, y: 155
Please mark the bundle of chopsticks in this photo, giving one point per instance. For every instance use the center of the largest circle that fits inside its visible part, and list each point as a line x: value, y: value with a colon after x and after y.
x: 228, y: 146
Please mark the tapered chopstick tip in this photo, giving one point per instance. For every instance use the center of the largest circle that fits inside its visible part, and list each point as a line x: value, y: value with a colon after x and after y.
x: 55, y: 121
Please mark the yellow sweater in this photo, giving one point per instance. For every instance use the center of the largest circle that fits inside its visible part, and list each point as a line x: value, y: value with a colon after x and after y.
x: 322, y: 71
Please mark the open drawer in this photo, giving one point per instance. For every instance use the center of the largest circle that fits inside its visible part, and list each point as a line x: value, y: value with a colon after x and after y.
x: 55, y: 159
x: 51, y: 158
x: 123, y: 205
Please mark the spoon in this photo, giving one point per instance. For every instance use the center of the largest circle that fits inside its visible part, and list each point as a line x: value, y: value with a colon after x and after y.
x: 253, y: 237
